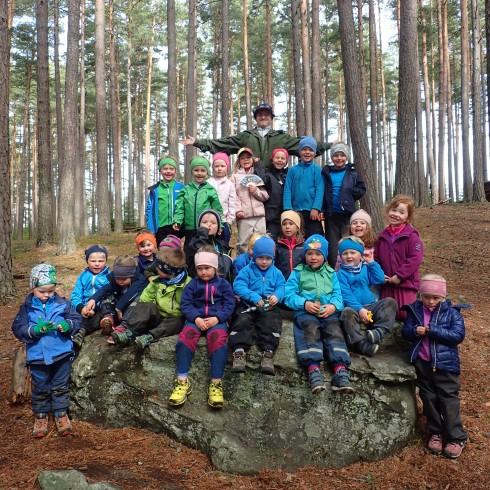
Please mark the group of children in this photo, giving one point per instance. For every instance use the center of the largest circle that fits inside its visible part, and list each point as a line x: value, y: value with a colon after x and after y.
x: 345, y: 294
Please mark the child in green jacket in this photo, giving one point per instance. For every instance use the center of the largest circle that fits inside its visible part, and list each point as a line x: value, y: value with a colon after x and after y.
x: 157, y: 313
x: 193, y: 199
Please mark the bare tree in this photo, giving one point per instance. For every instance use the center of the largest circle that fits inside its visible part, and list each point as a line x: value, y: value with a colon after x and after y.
x: 103, y: 201
x: 407, y: 98
x: 45, y: 221
x: 357, y: 111
x: 172, y: 115
x: 66, y: 222
x: 7, y: 287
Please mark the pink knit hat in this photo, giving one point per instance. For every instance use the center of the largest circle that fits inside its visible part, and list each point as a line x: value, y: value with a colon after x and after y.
x: 222, y: 156
x: 362, y: 215
x: 433, y: 284
x: 206, y: 258
x: 171, y: 241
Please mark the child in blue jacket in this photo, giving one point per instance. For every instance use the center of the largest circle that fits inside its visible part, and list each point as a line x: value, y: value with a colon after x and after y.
x: 356, y: 277
x: 435, y: 328
x: 94, y: 277
x: 45, y: 323
x: 207, y: 303
x: 313, y: 292
x: 304, y: 188
x: 259, y: 285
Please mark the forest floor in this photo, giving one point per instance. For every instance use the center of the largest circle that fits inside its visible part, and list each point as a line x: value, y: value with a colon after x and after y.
x: 457, y: 245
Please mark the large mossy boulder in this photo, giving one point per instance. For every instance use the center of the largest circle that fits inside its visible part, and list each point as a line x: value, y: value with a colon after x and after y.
x: 267, y: 422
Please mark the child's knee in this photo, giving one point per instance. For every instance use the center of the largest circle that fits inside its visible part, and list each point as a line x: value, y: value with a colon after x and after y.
x: 189, y: 336
x: 216, y: 340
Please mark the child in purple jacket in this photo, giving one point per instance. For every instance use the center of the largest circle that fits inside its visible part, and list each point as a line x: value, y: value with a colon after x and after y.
x: 207, y: 303
x: 400, y: 252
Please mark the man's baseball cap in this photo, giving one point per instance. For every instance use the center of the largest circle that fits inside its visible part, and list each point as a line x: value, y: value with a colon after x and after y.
x: 264, y: 106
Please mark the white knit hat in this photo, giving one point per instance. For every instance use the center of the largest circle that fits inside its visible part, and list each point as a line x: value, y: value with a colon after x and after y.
x: 362, y: 215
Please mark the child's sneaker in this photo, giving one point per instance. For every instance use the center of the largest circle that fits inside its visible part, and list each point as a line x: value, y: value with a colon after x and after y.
x: 453, y: 450
x: 215, y: 394
x: 375, y: 335
x: 267, y: 364
x: 122, y: 336
x: 341, y: 382
x: 63, y: 425
x: 366, y: 348
x: 143, y: 341
x: 317, y: 381
x: 182, y: 389
x: 239, y: 361
x: 79, y: 337
x: 40, y: 428
x: 434, y: 444
x: 107, y: 324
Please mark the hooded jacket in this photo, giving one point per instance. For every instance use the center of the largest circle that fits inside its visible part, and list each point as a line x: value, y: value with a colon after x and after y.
x: 446, y: 331
x: 169, y: 193
x: 274, y: 184
x: 86, y: 286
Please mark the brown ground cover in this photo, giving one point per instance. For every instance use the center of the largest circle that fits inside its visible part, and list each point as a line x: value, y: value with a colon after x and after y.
x: 457, y: 245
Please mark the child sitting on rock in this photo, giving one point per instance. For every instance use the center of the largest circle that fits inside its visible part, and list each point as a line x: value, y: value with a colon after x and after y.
x: 157, y: 313
x: 259, y: 285
x: 95, y: 276
x: 207, y: 304
x: 112, y: 300
x: 356, y: 277
x: 435, y: 328
x: 246, y: 257
x: 313, y: 292
x: 147, y: 248
x: 45, y: 323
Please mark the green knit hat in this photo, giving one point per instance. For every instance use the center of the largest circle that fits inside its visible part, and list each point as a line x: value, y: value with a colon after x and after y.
x: 167, y: 161
x: 200, y: 162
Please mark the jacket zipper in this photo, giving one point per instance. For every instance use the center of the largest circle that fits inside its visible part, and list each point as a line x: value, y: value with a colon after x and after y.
x: 434, y: 357
x: 206, y: 302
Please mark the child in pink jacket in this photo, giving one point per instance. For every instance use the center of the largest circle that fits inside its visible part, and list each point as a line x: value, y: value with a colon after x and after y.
x: 250, y: 189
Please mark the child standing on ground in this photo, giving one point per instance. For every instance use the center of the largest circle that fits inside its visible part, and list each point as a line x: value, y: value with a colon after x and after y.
x: 435, y: 328
x: 259, y: 285
x: 275, y: 178
x: 162, y: 196
x: 157, y: 313
x: 207, y: 304
x: 250, y: 189
x: 289, y: 250
x: 313, y: 292
x: 196, y: 196
x: 356, y: 277
x: 400, y: 253
x: 45, y: 323
x: 94, y: 277
x: 303, y: 191
x: 226, y: 192
x: 343, y: 187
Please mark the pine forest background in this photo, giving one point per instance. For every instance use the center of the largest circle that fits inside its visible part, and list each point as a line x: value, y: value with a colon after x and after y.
x: 92, y: 94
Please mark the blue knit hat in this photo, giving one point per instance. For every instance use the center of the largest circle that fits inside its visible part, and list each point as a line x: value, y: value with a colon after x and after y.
x: 264, y: 247
x: 318, y: 243
x: 307, y: 142
x: 349, y: 244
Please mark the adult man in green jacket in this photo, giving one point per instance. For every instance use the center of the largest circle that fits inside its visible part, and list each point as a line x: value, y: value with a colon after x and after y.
x: 262, y: 139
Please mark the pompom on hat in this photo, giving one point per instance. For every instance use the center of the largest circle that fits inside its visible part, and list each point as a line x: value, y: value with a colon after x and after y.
x: 42, y: 275
x: 362, y: 215
x: 433, y: 284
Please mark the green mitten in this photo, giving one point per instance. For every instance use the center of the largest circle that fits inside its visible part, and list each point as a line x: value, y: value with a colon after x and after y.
x: 63, y: 326
x: 42, y: 327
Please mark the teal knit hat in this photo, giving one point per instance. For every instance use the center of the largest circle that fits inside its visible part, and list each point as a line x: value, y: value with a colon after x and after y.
x: 167, y: 160
x: 199, y: 161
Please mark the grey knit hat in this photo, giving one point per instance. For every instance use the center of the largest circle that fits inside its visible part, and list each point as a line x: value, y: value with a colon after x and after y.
x: 340, y: 147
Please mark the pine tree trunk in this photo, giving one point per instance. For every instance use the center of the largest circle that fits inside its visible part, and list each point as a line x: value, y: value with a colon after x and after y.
x: 246, y: 67
x: 45, y: 223
x: 478, y: 127
x: 148, y: 120
x: 305, y: 50
x: 66, y: 222
x: 357, y: 111
x: 407, y: 98
x: 442, y: 18
x: 172, y: 114
x: 190, y: 120
x: 7, y: 287
x: 115, y: 121
x: 269, y: 94
x: 298, y: 69
x: 129, y: 95
x: 57, y: 78
x: 316, y: 82
x: 225, y: 67
x: 373, y: 84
